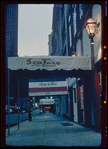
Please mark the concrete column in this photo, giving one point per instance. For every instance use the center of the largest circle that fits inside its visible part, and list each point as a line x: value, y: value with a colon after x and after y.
x: 8, y: 104
x: 87, y: 102
x: 97, y: 102
x: 71, y: 104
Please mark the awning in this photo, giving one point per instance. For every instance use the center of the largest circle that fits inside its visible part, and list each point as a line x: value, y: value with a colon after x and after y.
x: 46, y: 101
x: 49, y: 63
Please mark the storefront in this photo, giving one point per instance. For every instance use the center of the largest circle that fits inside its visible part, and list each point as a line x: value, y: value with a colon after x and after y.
x: 49, y: 67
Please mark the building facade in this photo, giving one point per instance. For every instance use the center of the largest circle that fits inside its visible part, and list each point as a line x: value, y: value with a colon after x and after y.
x: 50, y: 43
x: 11, y: 46
x: 25, y: 103
x: 70, y: 38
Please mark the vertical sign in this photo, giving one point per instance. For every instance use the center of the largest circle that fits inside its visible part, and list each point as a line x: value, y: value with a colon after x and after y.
x: 82, y: 97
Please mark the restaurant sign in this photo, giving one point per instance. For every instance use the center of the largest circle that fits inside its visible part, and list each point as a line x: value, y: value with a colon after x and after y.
x: 49, y: 63
x: 48, y: 88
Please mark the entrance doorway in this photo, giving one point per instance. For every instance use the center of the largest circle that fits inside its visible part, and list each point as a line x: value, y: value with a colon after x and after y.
x: 80, y: 101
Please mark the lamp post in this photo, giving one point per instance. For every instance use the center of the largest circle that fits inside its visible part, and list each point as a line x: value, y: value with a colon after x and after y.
x: 8, y: 103
x: 18, y: 105
x: 90, y: 28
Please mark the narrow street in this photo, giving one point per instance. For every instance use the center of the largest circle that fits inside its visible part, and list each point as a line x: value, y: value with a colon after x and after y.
x: 49, y: 129
x: 54, y: 78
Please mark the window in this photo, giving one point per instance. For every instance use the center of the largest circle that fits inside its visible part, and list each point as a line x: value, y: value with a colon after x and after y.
x: 64, y: 53
x: 7, y: 54
x: 7, y: 48
x: 105, y: 8
x: 74, y: 20
x: 70, y: 33
x: 63, y: 34
x: 80, y: 11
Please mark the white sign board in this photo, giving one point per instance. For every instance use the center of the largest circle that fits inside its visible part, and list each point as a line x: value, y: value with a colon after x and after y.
x: 46, y: 101
x: 49, y: 63
x: 47, y: 88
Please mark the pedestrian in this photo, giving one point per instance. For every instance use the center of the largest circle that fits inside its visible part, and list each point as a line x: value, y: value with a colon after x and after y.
x: 40, y: 111
x: 29, y: 114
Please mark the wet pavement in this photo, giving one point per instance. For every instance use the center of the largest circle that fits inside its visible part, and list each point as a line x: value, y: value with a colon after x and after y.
x: 50, y: 129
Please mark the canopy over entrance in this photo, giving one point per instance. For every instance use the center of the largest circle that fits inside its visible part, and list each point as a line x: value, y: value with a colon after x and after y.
x: 46, y: 102
x: 50, y: 67
x: 49, y: 63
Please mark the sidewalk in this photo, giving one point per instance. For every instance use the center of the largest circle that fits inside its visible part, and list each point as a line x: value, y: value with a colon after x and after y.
x: 47, y: 130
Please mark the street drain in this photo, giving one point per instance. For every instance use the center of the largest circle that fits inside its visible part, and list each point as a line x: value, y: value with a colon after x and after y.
x: 67, y: 124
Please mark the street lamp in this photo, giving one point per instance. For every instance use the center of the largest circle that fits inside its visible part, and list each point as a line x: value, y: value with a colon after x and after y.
x: 73, y: 54
x: 90, y: 28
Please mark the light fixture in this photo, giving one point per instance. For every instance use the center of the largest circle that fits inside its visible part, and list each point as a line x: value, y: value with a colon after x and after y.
x: 97, y: 27
x: 90, y: 27
x: 105, y: 47
x: 78, y: 79
x: 105, y: 58
x: 104, y: 102
x: 73, y: 54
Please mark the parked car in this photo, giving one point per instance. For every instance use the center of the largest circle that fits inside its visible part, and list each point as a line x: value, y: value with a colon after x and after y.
x: 10, y: 110
x: 23, y: 111
x: 16, y: 109
x: 13, y: 108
